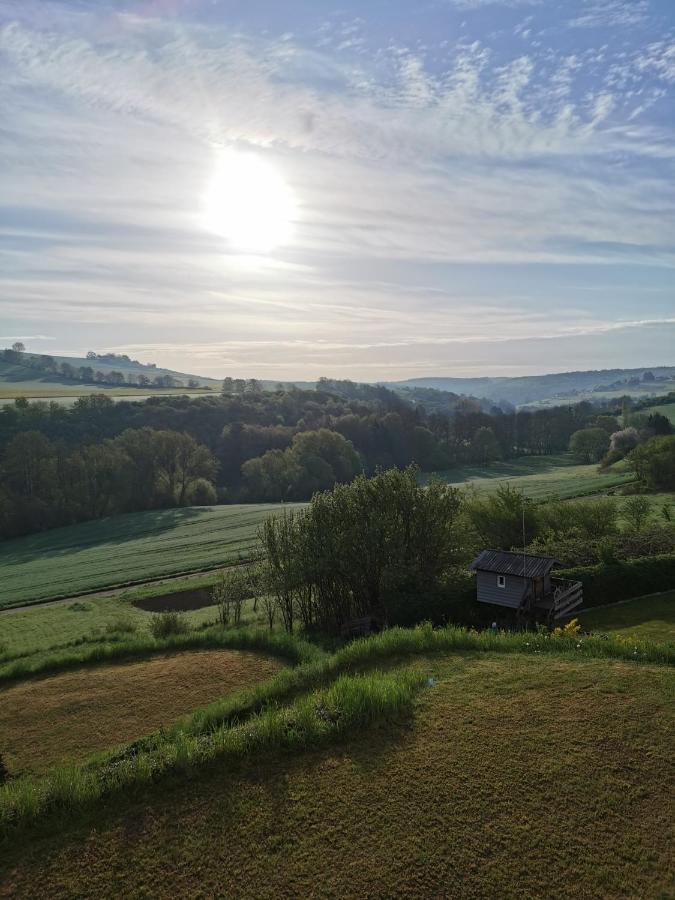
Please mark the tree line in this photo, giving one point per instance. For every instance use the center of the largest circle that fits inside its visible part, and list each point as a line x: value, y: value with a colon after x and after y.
x: 288, y: 443
x: 385, y: 548
x: 46, y: 483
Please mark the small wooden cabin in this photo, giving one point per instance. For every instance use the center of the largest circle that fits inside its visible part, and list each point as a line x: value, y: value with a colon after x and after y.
x: 523, y: 582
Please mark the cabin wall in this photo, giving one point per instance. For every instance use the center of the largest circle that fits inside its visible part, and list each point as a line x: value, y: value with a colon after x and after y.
x: 511, y: 595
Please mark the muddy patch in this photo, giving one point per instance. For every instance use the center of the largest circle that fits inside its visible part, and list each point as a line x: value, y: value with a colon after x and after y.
x: 178, y: 601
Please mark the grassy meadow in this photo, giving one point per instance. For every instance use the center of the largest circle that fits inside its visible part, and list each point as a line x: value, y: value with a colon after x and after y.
x: 509, y: 775
x: 646, y: 618
x: 541, y: 477
x: 126, y: 549
x: 37, y: 628
x: 666, y: 409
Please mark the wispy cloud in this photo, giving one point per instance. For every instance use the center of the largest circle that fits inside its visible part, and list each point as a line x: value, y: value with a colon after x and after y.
x: 609, y: 13
x: 475, y: 158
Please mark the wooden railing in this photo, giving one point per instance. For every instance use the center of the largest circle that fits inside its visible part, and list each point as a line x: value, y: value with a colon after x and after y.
x: 567, y: 595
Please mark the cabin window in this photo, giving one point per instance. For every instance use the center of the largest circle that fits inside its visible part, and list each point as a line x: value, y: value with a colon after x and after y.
x: 501, y: 581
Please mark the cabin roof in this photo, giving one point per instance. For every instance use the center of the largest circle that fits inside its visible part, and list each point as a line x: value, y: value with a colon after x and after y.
x: 506, y: 563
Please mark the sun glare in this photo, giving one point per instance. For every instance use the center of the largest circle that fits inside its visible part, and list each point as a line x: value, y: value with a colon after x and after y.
x: 249, y: 203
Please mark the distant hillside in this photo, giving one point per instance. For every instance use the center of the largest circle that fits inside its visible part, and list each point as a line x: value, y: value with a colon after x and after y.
x: 560, y: 387
x: 29, y: 374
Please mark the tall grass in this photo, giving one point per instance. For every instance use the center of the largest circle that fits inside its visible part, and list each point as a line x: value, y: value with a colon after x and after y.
x: 288, y: 647
x: 323, y: 695
x: 349, y: 703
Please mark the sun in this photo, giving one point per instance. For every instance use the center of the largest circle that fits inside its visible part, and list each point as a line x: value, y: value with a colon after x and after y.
x: 249, y: 203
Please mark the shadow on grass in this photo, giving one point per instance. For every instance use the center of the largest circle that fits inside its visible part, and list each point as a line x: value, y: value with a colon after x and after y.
x: 113, y: 530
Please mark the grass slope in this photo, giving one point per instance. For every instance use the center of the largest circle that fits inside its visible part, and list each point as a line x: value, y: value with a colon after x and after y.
x: 125, y: 549
x: 518, y: 776
x: 666, y: 409
x: 646, y: 618
x: 67, y: 717
x: 540, y: 477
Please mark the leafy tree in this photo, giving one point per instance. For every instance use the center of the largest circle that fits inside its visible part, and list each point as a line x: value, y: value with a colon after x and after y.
x: 373, y: 546
x: 485, y: 446
x: 230, y: 591
x: 18, y: 347
x: 500, y: 519
x: 659, y: 424
x: 589, y: 444
x: 636, y: 511
x: 625, y: 440
x: 654, y: 462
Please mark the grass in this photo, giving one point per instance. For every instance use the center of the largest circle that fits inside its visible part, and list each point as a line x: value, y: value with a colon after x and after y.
x: 656, y: 501
x: 348, y: 702
x: 522, y: 776
x: 540, y: 477
x: 67, y: 717
x: 39, y: 628
x: 67, y: 395
x: 126, y: 549
x: 666, y: 409
x: 646, y: 618
x: 123, y: 647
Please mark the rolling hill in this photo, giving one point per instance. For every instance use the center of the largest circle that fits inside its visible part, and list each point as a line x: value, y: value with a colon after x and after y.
x: 561, y: 387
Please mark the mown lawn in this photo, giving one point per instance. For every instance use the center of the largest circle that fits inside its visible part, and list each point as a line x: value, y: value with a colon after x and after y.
x: 517, y: 777
x: 67, y: 717
x: 125, y: 549
x: 540, y: 477
x: 647, y: 618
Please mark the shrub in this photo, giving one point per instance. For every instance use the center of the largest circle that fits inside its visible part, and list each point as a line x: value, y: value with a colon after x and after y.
x: 589, y: 445
x: 636, y: 511
x: 228, y: 594
x: 654, y: 462
x: 167, y: 623
x: 4, y: 771
x: 611, y: 583
x: 201, y: 493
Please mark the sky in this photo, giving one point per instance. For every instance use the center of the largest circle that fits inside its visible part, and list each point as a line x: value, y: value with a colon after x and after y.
x: 369, y: 190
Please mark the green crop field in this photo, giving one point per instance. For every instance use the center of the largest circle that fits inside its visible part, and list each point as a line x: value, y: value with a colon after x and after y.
x: 646, y: 618
x: 126, y: 549
x: 541, y: 477
x: 514, y: 776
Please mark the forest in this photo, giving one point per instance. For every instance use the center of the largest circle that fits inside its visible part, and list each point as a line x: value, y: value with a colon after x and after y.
x: 62, y: 465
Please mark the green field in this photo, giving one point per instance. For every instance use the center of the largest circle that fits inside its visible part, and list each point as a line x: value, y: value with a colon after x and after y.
x: 126, y: 549
x: 666, y: 409
x: 515, y: 776
x: 540, y: 477
x: 646, y: 618
x: 34, y: 630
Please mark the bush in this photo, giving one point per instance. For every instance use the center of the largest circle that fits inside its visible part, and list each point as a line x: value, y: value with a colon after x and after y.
x: 654, y: 462
x: 589, y: 445
x: 167, y: 623
x: 621, y: 581
x: 4, y: 771
x: 201, y: 493
x: 636, y: 512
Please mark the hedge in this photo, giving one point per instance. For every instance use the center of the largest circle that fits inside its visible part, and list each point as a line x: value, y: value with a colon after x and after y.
x: 620, y: 581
